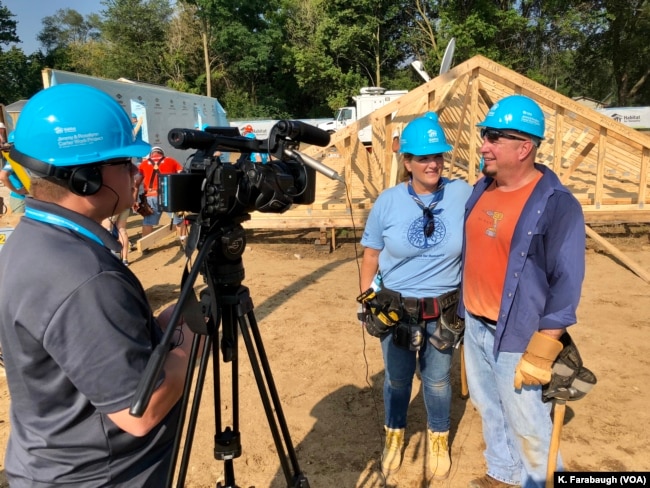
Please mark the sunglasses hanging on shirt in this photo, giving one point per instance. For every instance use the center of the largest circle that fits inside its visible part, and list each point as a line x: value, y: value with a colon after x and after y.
x: 429, y: 225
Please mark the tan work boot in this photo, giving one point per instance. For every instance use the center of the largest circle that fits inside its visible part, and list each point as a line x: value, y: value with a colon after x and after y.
x: 391, y: 459
x: 488, y: 482
x: 438, y: 452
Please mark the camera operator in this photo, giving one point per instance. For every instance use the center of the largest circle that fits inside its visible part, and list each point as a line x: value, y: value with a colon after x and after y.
x: 75, y: 324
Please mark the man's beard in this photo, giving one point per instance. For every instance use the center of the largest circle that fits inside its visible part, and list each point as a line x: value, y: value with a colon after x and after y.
x: 489, y: 172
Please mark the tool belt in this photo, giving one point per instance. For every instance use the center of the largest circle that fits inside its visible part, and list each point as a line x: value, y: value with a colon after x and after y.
x: 387, y: 308
x: 451, y: 327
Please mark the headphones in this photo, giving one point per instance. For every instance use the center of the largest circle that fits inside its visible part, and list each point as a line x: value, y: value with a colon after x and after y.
x: 85, y: 180
x: 82, y: 180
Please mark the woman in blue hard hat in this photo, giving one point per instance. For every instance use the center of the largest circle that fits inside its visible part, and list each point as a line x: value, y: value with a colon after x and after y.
x: 76, y: 328
x: 523, y: 266
x: 410, y: 268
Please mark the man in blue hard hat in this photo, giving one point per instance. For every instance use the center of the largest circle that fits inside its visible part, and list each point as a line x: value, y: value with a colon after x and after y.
x: 76, y: 328
x: 523, y: 267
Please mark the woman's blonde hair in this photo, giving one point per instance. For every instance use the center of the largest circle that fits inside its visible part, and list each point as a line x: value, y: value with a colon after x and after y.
x: 405, y: 174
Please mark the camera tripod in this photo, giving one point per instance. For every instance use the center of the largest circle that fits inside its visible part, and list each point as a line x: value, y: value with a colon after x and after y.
x: 225, y: 305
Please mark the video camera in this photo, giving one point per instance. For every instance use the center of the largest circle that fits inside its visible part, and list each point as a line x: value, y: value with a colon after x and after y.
x: 212, y: 188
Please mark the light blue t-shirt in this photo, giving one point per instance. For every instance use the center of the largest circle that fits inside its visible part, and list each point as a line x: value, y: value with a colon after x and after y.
x: 410, y: 262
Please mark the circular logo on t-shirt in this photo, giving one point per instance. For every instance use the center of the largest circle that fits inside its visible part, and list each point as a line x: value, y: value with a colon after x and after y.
x: 416, y: 235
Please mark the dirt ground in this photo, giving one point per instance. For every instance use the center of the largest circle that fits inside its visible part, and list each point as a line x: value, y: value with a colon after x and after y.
x: 329, y: 374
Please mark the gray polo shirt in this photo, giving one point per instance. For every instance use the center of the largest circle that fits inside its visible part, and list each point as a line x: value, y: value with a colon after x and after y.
x: 76, y: 332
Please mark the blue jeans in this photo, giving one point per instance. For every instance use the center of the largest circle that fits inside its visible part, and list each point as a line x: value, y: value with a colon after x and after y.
x: 398, y: 382
x: 516, y: 423
x: 154, y: 218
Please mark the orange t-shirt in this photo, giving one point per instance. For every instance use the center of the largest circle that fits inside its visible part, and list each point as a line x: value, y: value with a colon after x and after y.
x: 164, y: 166
x: 488, y: 230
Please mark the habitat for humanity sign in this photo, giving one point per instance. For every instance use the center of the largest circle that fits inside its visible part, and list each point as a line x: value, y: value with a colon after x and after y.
x: 634, y: 117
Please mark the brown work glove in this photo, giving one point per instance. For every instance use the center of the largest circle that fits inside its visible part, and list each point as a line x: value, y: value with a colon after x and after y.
x: 535, y: 365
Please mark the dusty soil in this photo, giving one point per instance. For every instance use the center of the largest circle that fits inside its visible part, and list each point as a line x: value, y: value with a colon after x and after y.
x: 328, y: 373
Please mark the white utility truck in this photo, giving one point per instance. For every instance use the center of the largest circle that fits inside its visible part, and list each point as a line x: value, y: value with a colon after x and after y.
x: 370, y: 99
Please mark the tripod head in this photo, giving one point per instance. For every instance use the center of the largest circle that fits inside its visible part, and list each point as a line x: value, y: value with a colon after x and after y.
x: 223, y: 263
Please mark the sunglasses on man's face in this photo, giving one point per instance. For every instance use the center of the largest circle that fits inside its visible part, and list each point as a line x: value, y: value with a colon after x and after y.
x: 493, y: 135
x: 117, y: 162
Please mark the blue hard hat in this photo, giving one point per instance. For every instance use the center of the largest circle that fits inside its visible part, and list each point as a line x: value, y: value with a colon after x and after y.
x: 516, y: 112
x: 423, y: 136
x: 74, y: 125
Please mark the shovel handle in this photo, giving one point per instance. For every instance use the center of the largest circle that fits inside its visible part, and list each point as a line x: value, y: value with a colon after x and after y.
x: 559, y: 408
x: 464, y: 391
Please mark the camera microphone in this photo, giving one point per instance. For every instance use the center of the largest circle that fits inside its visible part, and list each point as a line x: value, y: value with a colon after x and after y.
x: 303, y: 132
x: 189, y: 139
x: 314, y: 164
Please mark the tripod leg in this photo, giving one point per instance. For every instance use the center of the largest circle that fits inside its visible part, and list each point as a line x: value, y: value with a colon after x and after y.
x: 227, y: 442
x: 266, y: 386
x: 187, y: 448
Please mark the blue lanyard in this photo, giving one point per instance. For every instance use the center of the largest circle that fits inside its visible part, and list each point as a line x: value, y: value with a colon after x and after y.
x: 52, y: 219
x: 437, y: 195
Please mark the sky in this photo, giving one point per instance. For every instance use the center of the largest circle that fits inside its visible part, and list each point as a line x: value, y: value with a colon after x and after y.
x: 29, y: 13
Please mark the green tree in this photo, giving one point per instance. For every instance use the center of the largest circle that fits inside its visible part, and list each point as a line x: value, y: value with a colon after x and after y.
x: 249, y: 42
x: 67, y: 26
x: 239, y: 42
x: 17, y: 73
x: 134, y: 34
x: 7, y: 26
x: 206, y: 13
x: 65, y: 36
x: 614, y: 59
x: 342, y: 45
x: 183, y: 61
x: 20, y: 75
x: 297, y: 58
x: 503, y: 31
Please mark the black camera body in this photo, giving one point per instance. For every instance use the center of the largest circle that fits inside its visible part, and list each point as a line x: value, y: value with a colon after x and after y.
x: 213, y: 188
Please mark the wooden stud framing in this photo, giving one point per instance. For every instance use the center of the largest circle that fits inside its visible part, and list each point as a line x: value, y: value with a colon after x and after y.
x: 602, y: 161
